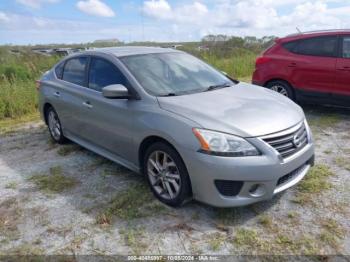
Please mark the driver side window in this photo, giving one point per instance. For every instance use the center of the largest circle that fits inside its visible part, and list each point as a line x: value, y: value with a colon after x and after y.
x: 346, y: 47
x: 103, y: 73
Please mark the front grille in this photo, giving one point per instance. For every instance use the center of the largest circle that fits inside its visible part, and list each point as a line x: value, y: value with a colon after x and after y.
x: 289, y: 143
x: 228, y: 187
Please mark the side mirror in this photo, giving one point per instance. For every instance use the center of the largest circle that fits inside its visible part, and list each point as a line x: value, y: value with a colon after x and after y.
x: 115, y: 91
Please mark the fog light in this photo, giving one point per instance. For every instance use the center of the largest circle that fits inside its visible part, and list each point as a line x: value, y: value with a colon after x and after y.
x: 257, y: 190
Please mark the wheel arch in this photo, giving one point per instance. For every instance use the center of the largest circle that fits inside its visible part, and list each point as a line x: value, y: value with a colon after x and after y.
x: 278, y: 79
x: 147, y: 142
x: 294, y: 95
x: 150, y: 140
x: 45, y: 108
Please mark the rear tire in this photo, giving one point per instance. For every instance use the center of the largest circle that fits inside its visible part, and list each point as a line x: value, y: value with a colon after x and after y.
x: 54, y: 126
x: 166, y: 174
x: 282, y: 88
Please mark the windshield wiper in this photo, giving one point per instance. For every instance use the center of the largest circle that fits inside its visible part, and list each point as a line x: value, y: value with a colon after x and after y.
x: 168, y: 94
x: 213, y: 87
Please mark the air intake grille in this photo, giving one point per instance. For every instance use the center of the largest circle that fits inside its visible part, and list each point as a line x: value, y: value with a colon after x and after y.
x: 289, y: 143
x: 290, y: 176
x: 228, y: 188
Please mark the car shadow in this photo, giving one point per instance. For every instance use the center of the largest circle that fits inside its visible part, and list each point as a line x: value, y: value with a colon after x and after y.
x: 322, y: 110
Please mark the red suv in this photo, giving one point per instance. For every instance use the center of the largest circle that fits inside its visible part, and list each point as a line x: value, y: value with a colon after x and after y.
x: 312, y: 67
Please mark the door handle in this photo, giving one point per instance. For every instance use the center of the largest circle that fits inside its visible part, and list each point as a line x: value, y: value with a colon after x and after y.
x: 293, y: 64
x: 345, y: 68
x: 87, y: 104
x: 57, y: 94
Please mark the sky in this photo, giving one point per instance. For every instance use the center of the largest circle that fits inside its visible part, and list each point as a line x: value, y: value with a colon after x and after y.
x: 79, y: 21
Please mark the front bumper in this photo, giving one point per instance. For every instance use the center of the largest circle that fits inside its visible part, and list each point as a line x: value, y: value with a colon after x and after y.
x: 270, y: 171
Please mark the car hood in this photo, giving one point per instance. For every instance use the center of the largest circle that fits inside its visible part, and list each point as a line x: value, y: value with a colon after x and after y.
x: 244, y: 110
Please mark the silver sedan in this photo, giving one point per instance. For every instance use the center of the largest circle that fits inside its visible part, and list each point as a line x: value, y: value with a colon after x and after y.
x: 191, y: 130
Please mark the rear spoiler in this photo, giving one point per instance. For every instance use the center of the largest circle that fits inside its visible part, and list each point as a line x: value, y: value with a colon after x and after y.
x: 278, y: 40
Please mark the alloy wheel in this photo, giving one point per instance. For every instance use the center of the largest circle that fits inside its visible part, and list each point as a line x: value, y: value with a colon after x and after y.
x: 164, y: 175
x: 280, y: 89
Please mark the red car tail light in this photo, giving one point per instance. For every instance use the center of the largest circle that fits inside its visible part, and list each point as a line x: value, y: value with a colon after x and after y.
x: 262, y: 60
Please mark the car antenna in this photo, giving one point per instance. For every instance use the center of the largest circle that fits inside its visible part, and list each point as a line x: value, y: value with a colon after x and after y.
x: 298, y: 30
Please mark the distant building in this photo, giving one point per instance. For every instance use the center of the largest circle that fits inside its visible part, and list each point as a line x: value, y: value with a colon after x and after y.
x: 203, y: 48
x: 172, y: 46
x: 58, y: 51
x: 113, y: 40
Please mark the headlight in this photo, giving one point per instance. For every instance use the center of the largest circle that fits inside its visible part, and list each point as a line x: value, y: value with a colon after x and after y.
x: 308, y: 130
x: 220, y: 144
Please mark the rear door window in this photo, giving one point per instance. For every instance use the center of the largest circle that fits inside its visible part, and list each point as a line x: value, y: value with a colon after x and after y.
x: 346, y: 47
x: 74, y: 71
x: 290, y: 45
x: 316, y: 46
x: 103, y: 73
x: 59, y: 70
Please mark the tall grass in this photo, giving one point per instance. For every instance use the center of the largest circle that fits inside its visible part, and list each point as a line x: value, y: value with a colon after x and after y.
x: 238, y: 64
x: 18, y: 72
x: 17, y: 98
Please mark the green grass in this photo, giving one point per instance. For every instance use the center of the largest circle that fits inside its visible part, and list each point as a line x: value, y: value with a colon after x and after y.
x: 9, y: 125
x: 66, y: 150
x: 333, y: 227
x: 18, y: 74
x: 332, y: 233
x: 325, y: 121
x: 17, y: 98
x: 247, y: 238
x: 216, y: 241
x: 315, y: 182
x: 136, y: 201
x: 54, y: 182
x: 11, y: 185
x: 133, y: 238
x: 251, y: 242
x: 266, y: 222
x: 238, y: 64
x: 10, y: 216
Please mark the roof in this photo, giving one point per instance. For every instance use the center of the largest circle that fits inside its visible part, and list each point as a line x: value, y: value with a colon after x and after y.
x: 133, y: 50
x: 315, y: 33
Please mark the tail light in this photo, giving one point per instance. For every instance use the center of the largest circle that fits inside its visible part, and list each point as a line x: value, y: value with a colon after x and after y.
x: 262, y: 60
x: 37, y: 84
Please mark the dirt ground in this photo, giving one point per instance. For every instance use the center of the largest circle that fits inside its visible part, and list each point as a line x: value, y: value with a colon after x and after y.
x: 66, y: 200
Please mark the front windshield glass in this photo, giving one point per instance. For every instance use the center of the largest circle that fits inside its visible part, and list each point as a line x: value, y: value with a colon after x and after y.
x: 165, y: 74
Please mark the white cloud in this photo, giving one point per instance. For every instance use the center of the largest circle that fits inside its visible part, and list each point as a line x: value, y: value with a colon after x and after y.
x: 157, y: 8
x: 250, y: 17
x: 35, y: 3
x: 189, y: 13
x: 96, y: 8
x: 4, y: 17
x: 184, y: 20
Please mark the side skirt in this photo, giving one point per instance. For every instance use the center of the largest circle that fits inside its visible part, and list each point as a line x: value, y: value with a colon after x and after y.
x: 321, y: 98
x: 102, y: 152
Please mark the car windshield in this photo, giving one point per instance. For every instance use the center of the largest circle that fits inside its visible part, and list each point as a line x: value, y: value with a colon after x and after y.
x: 169, y: 74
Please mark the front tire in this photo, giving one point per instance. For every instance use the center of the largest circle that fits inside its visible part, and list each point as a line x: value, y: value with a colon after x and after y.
x: 167, y: 174
x: 282, y: 88
x: 54, y: 126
